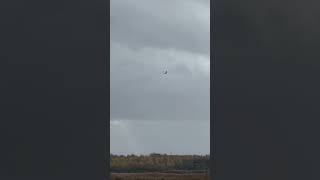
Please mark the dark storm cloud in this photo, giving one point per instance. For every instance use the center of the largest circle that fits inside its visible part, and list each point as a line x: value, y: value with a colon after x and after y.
x: 179, y: 24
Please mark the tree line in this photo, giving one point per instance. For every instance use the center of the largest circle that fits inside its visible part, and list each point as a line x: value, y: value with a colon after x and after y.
x: 158, y: 162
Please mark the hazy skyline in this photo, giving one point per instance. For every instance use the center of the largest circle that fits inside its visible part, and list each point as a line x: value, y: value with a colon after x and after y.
x: 150, y: 111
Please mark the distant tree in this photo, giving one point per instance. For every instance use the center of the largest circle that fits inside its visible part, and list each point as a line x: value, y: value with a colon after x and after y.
x: 156, y: 162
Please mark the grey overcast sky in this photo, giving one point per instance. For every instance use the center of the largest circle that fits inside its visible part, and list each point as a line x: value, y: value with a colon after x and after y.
x: 150, y: 111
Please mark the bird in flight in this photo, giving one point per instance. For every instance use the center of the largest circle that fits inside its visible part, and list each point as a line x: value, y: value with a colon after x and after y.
x: 166, y: 72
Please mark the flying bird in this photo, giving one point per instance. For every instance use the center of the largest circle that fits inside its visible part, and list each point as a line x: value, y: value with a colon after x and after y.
x: 166, y: 72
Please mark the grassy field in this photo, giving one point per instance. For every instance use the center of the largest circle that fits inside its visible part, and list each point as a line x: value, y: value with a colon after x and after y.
x: 159, y: 167
x: 159, y: 176
x: 157, y: 163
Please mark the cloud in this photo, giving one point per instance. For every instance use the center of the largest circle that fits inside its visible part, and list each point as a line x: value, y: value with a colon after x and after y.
x: 147, y: 38
x: 140, y: 90
x: 145, y: 137
x: 178, y: 24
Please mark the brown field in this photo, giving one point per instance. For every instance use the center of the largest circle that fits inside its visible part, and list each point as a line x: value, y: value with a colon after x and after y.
x: 159, y: 176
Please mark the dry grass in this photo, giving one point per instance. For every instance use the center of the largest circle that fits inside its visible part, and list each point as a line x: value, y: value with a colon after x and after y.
x: 159, y: 176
